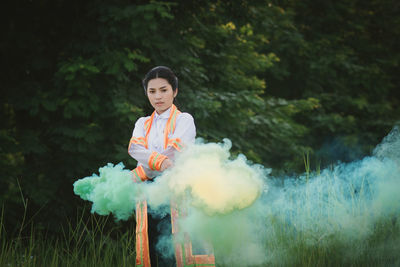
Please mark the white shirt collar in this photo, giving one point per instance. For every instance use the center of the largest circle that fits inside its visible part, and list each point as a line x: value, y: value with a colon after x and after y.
x: 164, y: 115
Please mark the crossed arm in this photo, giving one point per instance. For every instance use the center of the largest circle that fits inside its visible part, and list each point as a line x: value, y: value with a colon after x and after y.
x: 154, y: 162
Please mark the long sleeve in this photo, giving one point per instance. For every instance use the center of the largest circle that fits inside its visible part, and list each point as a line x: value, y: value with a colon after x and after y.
x: 143, y: 155
x: 137, y: 148
x: 185, y: 129
x: 150, y: 153
x: 184, y: 134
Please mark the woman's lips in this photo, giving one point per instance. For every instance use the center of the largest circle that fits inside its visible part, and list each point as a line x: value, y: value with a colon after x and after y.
x: 159, y: 103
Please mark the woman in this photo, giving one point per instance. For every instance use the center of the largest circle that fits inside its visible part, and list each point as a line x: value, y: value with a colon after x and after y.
x: 154, y: 141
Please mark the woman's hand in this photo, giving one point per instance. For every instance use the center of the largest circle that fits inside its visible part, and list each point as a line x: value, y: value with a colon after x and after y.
x: 167, y: 163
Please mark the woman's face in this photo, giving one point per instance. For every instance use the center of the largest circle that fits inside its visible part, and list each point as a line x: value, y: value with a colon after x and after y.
x: 160, y: 94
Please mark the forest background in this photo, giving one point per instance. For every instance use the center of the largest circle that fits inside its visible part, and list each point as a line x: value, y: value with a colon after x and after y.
x: 281, y: 79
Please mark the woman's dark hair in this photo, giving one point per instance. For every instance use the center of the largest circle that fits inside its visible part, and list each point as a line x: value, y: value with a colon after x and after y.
x: 161, y: 72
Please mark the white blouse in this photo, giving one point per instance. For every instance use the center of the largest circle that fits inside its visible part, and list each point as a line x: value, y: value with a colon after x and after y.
x: 185, y: 130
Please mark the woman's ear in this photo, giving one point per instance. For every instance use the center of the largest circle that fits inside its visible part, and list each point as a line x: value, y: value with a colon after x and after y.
x: 176, y: 92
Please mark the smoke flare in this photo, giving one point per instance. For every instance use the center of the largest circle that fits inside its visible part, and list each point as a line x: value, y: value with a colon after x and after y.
x: 253, y: 219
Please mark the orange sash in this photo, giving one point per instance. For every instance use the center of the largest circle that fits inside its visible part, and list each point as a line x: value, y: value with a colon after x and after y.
x: 183, y: 251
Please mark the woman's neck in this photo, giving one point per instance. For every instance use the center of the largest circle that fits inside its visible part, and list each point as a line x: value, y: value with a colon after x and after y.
x: 162, y: 112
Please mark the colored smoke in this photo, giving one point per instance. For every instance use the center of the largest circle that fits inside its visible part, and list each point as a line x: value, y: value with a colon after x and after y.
x: 205, y: 177
x: 112, y: 191
x: 219, y: 195
x: 251, y: 218
x: 352, y: 208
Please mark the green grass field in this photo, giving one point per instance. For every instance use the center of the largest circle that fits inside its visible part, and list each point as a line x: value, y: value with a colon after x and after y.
x: 85, y: 243
x: 82, y: 243
x: 348, y: 233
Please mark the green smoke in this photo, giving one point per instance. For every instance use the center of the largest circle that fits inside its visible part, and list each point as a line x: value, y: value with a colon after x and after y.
x: 251, y: 218
x: 112, y: 191
x: 352, y: 210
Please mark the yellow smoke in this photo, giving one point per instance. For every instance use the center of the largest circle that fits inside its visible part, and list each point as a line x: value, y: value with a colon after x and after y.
x: 217, y: 196
x: 213, y: 182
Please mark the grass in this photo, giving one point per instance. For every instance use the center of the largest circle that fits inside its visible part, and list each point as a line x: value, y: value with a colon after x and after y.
x: 381, y: 248
x: 89, y: 241
x: 84, y: 242
x: 291, y: 243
